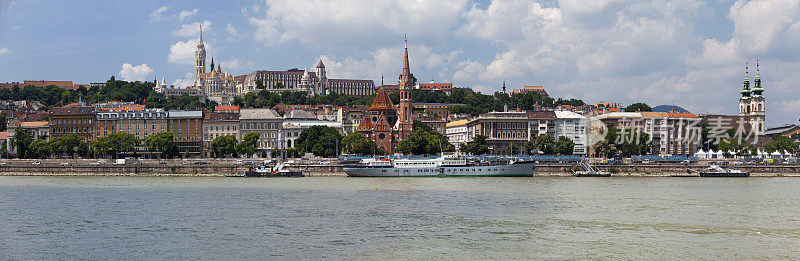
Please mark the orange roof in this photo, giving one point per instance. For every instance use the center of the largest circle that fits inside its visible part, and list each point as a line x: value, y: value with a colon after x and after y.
x: 226, y: 108
x: 3, y: 135
x: 33, y: 124
x: 127, y: 107
x: 365, y: 125
x: 382, y: 101
x: 682, y: 115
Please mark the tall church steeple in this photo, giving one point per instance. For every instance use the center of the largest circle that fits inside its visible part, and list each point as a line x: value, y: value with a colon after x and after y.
x: 406, y: 85
x: 758, y: 90
x: 746, y: 85
x: 200, y: 59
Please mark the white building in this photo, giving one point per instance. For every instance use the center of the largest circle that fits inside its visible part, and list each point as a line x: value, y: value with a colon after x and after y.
x: 295, y: 121
x: 456, y: 132
x: 575, y: 127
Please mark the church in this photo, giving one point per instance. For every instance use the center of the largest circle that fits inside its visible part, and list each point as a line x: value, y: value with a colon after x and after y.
x: 752, y: 103
x: 217, y: 85
x: 383, y: 122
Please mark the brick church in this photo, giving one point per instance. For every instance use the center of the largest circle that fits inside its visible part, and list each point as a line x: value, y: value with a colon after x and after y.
x: 386, y: 124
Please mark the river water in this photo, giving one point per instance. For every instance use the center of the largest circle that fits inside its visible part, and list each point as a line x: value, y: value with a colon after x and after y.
x: 113, y: 218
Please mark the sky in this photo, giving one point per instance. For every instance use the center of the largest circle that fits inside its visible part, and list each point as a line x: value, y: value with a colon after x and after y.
x: 684, y: 52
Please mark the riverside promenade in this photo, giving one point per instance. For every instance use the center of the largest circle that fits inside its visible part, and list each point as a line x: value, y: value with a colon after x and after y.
x: 229, y: 167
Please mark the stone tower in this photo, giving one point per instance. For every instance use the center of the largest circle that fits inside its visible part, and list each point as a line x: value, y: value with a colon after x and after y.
x: 322, y: 80
x: 406, y: 86
x: 200, y: 59
x: 752, y: 103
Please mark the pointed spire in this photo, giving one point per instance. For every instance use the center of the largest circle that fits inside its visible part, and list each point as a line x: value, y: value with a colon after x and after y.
x: 406, y: 76
x: 381, y: 79
x: 201, y: 32
x: 212, y: 62
x: 758, y: 74
x: 757, y: 88
x: 504, y: 85
x: 746, y: 85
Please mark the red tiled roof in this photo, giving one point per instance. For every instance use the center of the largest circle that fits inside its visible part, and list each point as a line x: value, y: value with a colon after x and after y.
x: 3, y: 135
x: 382, y: 101
x: 226, y: 108
x: 33, y: 124
x: 365, y: 125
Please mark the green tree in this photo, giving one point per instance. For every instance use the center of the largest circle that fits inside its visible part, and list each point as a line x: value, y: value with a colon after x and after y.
x: 564, y: 146
x: 22, y: 141
x: 163, y: 142
x: 545, y: 144
x: 476, y: 147
x: 780, y: 144
x: 69, y: 145
x: 3, y: 121
x: 512, y: 149
x: 38, y: 149
x: 424, y: 140
x: 320, y: 140
x: 4, y: 149
x: 247, y: 147
x: 639, y: 106
x: 115, y: 143
x: 356, y: 143
x: 223, y: 146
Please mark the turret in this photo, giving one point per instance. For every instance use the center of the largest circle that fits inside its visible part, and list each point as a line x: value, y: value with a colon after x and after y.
x: 746, y: 88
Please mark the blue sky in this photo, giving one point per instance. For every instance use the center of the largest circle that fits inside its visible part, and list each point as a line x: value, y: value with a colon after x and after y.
x: 685, y: 52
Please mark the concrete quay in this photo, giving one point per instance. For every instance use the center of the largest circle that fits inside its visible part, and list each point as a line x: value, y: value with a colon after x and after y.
x: 227, y: 167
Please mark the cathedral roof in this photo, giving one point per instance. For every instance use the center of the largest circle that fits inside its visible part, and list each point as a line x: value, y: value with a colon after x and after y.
x: 319, y: 64
x: 365, y: 125
x: 382, y: 101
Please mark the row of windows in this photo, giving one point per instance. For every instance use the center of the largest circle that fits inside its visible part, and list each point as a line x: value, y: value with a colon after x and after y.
x: 258, y: 126
x: 131, y: 115
x: 219, y: 128
x: 71, y: 121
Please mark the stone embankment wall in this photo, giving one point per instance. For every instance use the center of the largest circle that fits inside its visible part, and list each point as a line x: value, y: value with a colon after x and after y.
x: 229, y: 168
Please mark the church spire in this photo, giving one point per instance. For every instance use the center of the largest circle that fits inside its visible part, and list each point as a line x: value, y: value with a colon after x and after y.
x: 746, y: 85
x: 757, y: 88
x: 201, y: 34
x: 406, y: 77
x: 212, y: 62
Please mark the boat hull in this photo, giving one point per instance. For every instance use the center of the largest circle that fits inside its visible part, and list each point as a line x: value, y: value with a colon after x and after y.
x: 724, y: 174
x: 521, y: 169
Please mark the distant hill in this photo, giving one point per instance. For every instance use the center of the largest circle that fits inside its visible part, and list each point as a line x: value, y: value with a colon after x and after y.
x: 669, y: 108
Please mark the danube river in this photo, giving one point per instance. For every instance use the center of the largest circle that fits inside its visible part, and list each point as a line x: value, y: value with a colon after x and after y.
x: 115, y: 218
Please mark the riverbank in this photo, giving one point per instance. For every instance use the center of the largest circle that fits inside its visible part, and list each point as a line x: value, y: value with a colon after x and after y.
x: 213, y: 168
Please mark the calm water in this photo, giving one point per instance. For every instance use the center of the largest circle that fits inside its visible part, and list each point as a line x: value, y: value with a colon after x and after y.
x: 104, y: 218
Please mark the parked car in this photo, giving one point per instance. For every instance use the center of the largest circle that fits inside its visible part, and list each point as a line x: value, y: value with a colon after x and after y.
x: 95, y: 163
x: 187, y: 163
x: 201, y: 163
x: 238, y: 162
x: 36, y: 163
x: 64, y: 163
x: 137, y: 163
x: 325, y: 162
x: 2, y: 163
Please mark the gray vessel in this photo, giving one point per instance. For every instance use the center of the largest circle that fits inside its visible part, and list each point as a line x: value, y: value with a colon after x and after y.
x: 443, y: 166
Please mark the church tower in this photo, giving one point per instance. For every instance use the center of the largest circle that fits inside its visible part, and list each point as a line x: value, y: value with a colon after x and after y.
x: 200, y: 60
x: 406, y: 85
x: 744, y: 101
x: 758, y: 106
x: 322, y: 80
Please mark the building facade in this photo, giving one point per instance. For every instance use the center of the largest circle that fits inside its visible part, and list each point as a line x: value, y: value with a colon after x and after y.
x: 266, y: 122
x: 186, y: 128
x: 501, y: 130
x: 575, y: 127
x: 314, y: 83
x: 78, y: 119
x: 217, y: 124
x: 134, y: 120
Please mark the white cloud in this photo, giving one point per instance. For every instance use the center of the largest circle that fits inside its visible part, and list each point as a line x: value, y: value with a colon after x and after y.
x: 4, y: 51
x: 188, y: 80
x: 357, y: 22
x: 134, y: 73
x: 158, y: 14
x: 758, y: 25
x: 231, y: 29
x: 236, y: 64
x: 191, y: 29
x: 17, y: 27
x: 186, y: 13
x: 182, y: 52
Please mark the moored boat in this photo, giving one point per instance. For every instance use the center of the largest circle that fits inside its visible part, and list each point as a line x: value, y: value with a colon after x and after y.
x: 715, y: 171
x: 451, y: 165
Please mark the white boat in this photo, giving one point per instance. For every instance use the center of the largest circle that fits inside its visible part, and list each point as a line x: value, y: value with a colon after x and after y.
x: 451, y: 165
